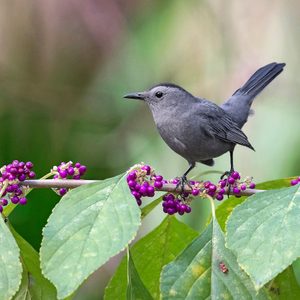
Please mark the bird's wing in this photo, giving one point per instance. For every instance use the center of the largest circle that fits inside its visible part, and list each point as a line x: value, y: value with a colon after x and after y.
x: 222, y: 126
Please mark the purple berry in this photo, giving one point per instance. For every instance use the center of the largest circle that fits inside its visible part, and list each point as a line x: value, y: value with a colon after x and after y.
x: 15, y: 163
x: 222, y: 191
x: 13, y: 170
x: 231, y: 180
x: 158, y: 178
x: 15, y: 199
x: 131, y: 176
x: 211, y: 193
x: 9, y: 189
x: 22, y: 177
x: 136, y: 195
x: 4, y: 201
x: 23, y: 201
x: 63, y: 173
x: 11, y: 177
x: 235, y: 175
x: 222, y: 183
x: 171, y: 211
x: 29, y: 165
x: 171, y: 203
x: 22, y: 164
x: 164, y: 204
x: 77, y: 165
x: 294, y: 182
x: 219, y: 197
x: 70, y: 171
x: 82, y: 170
x: 31, y: 174
x: 131, y: 184
x: 243, y: 187
x: 143, y: 190
x: 170, y: 197
x: 212, y: 188
x: 137, y: 187
x: 207, y: 184
x: 150, y: 191
x: 195, y: 192
x: 1, y: 209
x: 139, y: 202
x: 188, y: 209
x: 236, y: 190
x: 18, y: 192
x: 147, y: 169
x: 252, y: 185
x: 62, y: 191
x: 158, y: 184
x: 76, y: 177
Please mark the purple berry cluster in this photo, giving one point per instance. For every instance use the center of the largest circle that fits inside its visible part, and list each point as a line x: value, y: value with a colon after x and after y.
x: 232, y: 181
x: 142, y: 182
x: 172, y: 204
x: 295, y: 181
x: 11, y: 176
x: 68, y: 171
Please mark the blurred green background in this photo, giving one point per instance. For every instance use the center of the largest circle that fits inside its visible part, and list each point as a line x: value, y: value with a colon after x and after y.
x: 64, y: 66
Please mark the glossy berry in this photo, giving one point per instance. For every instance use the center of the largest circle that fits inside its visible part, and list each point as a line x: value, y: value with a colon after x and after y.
x: 23, y: 201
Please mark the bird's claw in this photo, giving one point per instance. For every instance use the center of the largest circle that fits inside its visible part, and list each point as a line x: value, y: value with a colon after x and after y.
x: 227, y: 174
x: 182, y: 182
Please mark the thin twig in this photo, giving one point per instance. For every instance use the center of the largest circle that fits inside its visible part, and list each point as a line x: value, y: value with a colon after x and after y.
x: 72, y: 183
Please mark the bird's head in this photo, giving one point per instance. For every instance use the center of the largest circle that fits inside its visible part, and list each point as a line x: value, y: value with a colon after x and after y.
x: 162, y: 95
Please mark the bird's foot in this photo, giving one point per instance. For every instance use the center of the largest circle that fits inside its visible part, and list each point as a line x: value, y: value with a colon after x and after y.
x: 229, y: 181
x: 181, y: 183
x: 226, y: 174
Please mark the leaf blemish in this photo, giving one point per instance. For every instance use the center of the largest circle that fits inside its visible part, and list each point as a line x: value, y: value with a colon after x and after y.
x: 197, y: 270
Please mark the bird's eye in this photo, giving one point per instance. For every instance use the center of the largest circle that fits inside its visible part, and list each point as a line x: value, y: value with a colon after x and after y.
x: 158, y: 94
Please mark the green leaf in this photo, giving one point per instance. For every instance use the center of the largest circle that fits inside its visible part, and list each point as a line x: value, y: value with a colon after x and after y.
x: 226, y: 207
x: 88, y: 226
x: 284, y: 286
x: 34, y: 285
x: 296, y: 268
x: 136, y: 289
x: 197, y: 272
x: 150, y: 254
x: 148, y: 208
x: 23, y: 292
x: 10, y: 265
x: 263, y: 232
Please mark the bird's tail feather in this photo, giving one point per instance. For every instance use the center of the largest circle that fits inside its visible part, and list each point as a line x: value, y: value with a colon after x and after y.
x: 260, y: 79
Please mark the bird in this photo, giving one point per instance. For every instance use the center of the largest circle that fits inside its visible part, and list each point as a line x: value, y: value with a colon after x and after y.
x: 198, y: 129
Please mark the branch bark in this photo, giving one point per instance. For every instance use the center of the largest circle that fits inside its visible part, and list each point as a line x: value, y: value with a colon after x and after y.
x: 72, y: 183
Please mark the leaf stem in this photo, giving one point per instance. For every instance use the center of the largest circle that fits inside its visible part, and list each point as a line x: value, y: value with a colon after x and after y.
x: 213, y: 208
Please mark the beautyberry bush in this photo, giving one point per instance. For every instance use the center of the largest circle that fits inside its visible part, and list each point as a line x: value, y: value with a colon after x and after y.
x: 248, y: 250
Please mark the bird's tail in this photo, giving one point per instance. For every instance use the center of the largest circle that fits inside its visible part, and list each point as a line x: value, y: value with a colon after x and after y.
x: 238, y: 105
x: 260, y: 79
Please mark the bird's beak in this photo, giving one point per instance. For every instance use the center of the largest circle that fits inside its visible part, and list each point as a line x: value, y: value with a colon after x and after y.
x: 138, y: 96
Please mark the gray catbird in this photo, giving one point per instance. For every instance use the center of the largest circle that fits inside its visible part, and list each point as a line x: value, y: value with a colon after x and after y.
x: 198, y: 129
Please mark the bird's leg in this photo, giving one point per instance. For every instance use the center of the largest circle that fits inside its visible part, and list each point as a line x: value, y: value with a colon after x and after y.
x: 228, y: 173
x: 183, y: 180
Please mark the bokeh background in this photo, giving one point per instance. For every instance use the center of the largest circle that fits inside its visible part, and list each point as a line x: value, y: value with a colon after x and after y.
x: 64, y: 66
